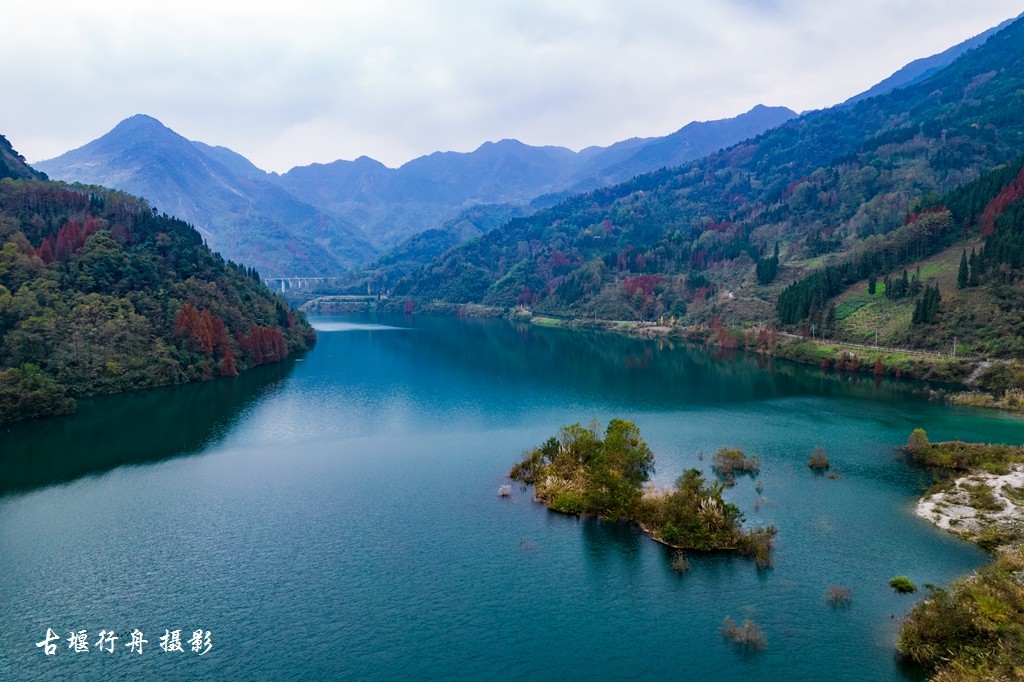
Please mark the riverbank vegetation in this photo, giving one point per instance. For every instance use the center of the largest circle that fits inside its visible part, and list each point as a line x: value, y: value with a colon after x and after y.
x: 959, y: 456
x: 100, y: 294
x: 580, y: 473
x: 973, y: 631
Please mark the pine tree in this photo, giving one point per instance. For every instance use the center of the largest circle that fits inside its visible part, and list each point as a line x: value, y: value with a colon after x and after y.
x: 975, y: 265
x: 962, y: 276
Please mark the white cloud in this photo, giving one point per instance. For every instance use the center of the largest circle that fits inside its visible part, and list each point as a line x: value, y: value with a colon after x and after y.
x: 292, y: 83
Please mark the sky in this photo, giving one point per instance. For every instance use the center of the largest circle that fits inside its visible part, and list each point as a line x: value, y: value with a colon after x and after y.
x: 292, y: 83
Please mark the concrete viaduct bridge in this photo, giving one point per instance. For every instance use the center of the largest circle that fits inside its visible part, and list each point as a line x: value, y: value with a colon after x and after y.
x: 283, y: 284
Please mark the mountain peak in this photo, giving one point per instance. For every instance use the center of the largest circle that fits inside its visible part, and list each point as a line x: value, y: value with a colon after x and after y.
x: 141, y: 125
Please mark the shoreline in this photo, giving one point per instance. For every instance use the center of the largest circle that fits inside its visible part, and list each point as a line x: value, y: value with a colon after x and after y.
x: 830, y: 355
x: 982, y: 382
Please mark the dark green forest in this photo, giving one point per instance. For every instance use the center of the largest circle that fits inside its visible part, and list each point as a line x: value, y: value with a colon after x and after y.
x: 99, y: 294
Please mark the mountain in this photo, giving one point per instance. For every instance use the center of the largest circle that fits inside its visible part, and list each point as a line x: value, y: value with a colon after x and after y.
x: 721, y: 237
x: 326, y: 219
x: 919, y: 69
x: 99, y: 294
x: 234, y: 206
x: 394, y: 204
x: 690, y: 142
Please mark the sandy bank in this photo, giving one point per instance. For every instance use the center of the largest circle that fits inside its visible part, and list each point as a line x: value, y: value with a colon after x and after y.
x: 961, y: 510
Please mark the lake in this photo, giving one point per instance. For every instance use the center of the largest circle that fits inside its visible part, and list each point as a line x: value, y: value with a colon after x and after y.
x: 337, y: 517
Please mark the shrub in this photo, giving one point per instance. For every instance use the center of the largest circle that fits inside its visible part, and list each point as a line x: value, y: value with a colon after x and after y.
x: 727, y: 462
x: 758, y: 544
x: 982, y: 497
x: 749, y: 635
x: 568, y: 503
x: 670, y: 534
x: 902, y: 584
x: 818, y: 461
x: 918, y: 439
x: 838, y: 595
x: 680, y: 564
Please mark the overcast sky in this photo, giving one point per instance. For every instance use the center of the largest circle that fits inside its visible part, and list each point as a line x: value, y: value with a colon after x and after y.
x: 292, y: 83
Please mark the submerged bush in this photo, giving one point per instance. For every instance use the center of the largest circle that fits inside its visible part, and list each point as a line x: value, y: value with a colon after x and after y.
x: 902, y: 584
x: 818, y: 461
x: 749, y: 635
x: 758, y: 545
x: 838, y: 595
x: 727, y: 462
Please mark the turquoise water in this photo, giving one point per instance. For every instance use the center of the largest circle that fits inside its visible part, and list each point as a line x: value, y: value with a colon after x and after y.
x: 338, y: 517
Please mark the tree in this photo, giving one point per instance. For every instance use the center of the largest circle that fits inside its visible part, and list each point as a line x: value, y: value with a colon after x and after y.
x: 918, y: 439
x: 963, y: 275
x: 872, y: 284
x: 227, y: 364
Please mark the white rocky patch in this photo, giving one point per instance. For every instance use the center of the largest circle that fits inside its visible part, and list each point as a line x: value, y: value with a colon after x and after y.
x: 952, y: 511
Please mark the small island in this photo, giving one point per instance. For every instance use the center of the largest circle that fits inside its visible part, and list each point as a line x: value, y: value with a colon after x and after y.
x: 580, y: 473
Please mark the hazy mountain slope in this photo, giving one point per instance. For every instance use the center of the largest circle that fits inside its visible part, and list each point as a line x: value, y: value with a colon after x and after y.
x: 241, y: 214
x: 394, y: 204
x: 690, y: 142
x: 234, y: 162
x: 919, y: 69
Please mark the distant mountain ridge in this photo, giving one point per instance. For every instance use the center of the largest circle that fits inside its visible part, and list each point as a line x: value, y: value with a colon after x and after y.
x: 394, y: 204
x: 330, y: 218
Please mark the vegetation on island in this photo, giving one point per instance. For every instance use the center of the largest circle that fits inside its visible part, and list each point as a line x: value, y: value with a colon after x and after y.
x: 99, y: 294
x: 578, y: 472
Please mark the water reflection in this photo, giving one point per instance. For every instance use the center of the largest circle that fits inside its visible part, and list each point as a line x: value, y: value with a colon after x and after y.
x: 134, y: 428
x: 649, y: 372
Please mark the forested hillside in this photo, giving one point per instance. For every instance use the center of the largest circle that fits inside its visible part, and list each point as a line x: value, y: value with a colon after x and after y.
x: 98, y: 294
x: 721, y: 237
